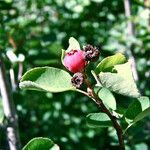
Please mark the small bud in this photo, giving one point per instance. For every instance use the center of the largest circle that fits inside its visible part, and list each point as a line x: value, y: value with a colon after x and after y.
x: 74, y: 61
x: 91, y: 53
x: 77, y: 79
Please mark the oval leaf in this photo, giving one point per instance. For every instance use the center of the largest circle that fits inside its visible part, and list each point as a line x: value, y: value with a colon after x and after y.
x: 107, y: 64
x: 40, y: 143
x: 98, y: 120
x: 121, y: 82
x: 108, y: 98
x: 47, y: 79
x: 139, y: 117
x: 73, y: 44
x: 138, y: 110
x: 142, y: 115
x: 137, y: 107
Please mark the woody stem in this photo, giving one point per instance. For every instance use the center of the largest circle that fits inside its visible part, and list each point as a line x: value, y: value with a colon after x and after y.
x: 90, y: 93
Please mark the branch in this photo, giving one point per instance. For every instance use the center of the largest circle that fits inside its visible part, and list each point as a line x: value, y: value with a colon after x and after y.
x: 12, y: 79
x: 116, y: 125
x: 20, y: 70
x: 90, y: 93
x: 9, y: 111
x: 130, y: 29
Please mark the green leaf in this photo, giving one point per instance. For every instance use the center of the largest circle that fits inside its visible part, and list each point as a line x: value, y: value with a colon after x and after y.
x: 107, y: 64
x: 98, y: 120
x: 142, y: 115
x: 145, y: 102
x: 137, y: 107
x: 108, y: 98
x: 62, y: 56
x: 121, y: 82
x: 73, y: 44
x: 46, y: 79
x: 139, y: 117
x: 40, y: 143
x: 138, y: 110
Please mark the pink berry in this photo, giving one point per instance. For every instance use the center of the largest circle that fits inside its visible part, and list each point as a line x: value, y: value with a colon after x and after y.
x: 74, y: 61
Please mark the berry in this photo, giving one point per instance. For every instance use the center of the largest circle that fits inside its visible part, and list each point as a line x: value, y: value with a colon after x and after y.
x: 77, y: 79
x: 91, y: 53
x: 74, y: 61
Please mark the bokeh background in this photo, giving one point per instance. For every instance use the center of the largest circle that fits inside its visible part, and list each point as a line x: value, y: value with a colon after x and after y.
x: 36, y: 31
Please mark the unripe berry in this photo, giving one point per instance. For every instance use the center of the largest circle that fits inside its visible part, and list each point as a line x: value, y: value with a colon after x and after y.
x: 74, y: 61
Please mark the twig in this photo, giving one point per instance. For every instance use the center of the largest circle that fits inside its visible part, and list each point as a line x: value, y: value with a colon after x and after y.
x: 130, y: 29
x: 90, y: 93
x: 9, y: 111
x: 20, y: 70
x: 12, y: 79
x: 114, y: 121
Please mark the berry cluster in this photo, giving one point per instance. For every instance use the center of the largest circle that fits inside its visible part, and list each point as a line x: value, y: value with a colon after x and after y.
x: 76, y: 61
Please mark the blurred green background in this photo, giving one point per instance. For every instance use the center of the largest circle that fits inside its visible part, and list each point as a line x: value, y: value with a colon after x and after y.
x: 39, y: 29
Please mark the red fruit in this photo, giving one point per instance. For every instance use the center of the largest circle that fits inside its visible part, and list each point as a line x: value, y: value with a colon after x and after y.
x: 74, y: 61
